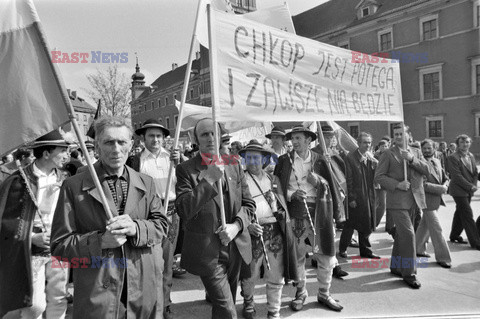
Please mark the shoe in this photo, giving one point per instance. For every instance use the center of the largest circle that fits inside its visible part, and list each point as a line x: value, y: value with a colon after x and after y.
x: 249, y: 309
x: 353, y: 243
x: 178, y: 272
x: 329, y: 302
x: 167, y: 313
x: 343, y: 254
x: 396, y: 273
x: 249, y: 314
x: 371, y: 256
x: 444, y: 264
x: 412, y: 282
x: 338, y: 272
x: 273, y: 315
x: 207, y: 298
x: 423, y: 255
x: 297, y: 303
x: 459, y: 240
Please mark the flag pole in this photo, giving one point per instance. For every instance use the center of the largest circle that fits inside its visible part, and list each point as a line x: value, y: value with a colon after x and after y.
x: 405, y: 143
x: 186, y: 82
x: 213, y: 79
x: 73, y: 120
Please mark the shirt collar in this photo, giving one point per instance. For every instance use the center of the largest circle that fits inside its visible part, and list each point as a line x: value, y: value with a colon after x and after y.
x: 102, y: 173
x: 39, y: 173
x: 146, y: 153
x: 307, y: 160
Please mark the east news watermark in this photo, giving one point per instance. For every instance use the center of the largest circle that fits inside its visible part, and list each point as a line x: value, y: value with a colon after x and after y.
x: 92, y: 262
x: 89, y: 57
x: 395, y: 56
x: 394, y: 262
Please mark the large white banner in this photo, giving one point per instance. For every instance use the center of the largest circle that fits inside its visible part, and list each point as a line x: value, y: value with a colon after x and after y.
x: 265, y: 74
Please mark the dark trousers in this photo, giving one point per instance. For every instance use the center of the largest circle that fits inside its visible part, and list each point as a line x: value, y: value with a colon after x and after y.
x: 463, y: 219
x: 221, y: 286
x: 363, y: 240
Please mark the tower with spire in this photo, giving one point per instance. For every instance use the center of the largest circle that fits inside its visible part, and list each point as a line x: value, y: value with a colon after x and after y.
x: 138, y: 82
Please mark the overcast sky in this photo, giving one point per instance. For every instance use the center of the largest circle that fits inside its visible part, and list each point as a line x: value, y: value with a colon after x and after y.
x: 158, y: 30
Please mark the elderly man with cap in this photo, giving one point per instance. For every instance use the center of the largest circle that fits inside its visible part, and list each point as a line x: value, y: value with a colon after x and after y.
x: 309, y: 200
x: 29, y: 282
x: 155, y: 161
x: 270, y: 232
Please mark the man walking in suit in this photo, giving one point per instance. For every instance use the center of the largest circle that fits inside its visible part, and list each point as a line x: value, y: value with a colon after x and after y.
x: 309, y: 204
x: 435, y: 187
x: 210, y: 251
x: 403, y: 197
x: 123, y: 255
x: 464, y: 177
x: 361, y: 197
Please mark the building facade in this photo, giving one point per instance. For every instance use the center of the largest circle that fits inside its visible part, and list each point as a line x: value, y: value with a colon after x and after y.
x: 437, y: 45
x: 84, y: 113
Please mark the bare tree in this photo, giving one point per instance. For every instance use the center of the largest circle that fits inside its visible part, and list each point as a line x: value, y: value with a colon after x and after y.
x: 113, y: 88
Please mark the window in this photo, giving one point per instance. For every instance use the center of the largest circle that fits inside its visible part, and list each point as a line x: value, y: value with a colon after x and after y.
x: 200, y: 89
x: 385, y: 40
x: 191, y: 93
x: 159, y: 102
x: 431, y: 82
x: 174, y: 97
x: 475, y: 75
x: 476, y: 14
x: 477, y: 124
x: 166, y: 100
x: 434, y: 126
x: 206, y: 86
x: 431, y: 86
x: 167, y: 121
x: 152, y: 104
x: 354, y: 129
x: 176, y: 120
x: 85, y: 117
x: 365, y: 12
x: 429, y: 27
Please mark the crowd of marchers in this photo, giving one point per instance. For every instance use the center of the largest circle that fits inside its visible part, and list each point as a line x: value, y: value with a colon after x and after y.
x: 263, y: 212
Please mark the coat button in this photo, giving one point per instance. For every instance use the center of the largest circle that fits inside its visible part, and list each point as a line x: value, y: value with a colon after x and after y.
x: 110, y: 254
x: 150, y: 242
x: 106, y: 284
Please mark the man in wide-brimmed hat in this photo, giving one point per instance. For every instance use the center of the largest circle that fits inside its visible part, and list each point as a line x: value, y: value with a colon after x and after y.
x: 28, y: 202
x: 273, y: 223
x: 308, y: 204
x: 155, y: 161
x: 277, y: 136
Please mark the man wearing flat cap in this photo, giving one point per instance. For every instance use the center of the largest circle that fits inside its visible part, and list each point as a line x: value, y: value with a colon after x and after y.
x: 309, y: 203
x: 277, y: 136
x: 155, y: 161
x: 29, y: 283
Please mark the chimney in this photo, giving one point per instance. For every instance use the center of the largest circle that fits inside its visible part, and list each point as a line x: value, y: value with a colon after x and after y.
x: 74, y: 95
x: 174, y: 66
x: 197, y: 55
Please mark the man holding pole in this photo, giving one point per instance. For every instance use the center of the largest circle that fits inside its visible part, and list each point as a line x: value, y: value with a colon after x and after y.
x: 400, y: 171
x: 120, y: 272
x: 154, y: 161
x: 27, y: 203
x: 309, y: 199
x: 212, y: 250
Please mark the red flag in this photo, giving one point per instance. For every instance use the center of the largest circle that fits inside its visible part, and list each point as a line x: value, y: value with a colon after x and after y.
x: 31, y: 99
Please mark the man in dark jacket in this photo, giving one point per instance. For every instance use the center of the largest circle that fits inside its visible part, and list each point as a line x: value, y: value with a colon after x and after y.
x: 121, y: 272
x: 27, y: 204
x: 213, y: 252
x: 361, y: 197
x: 311, y: 207
x: 464, y: 178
